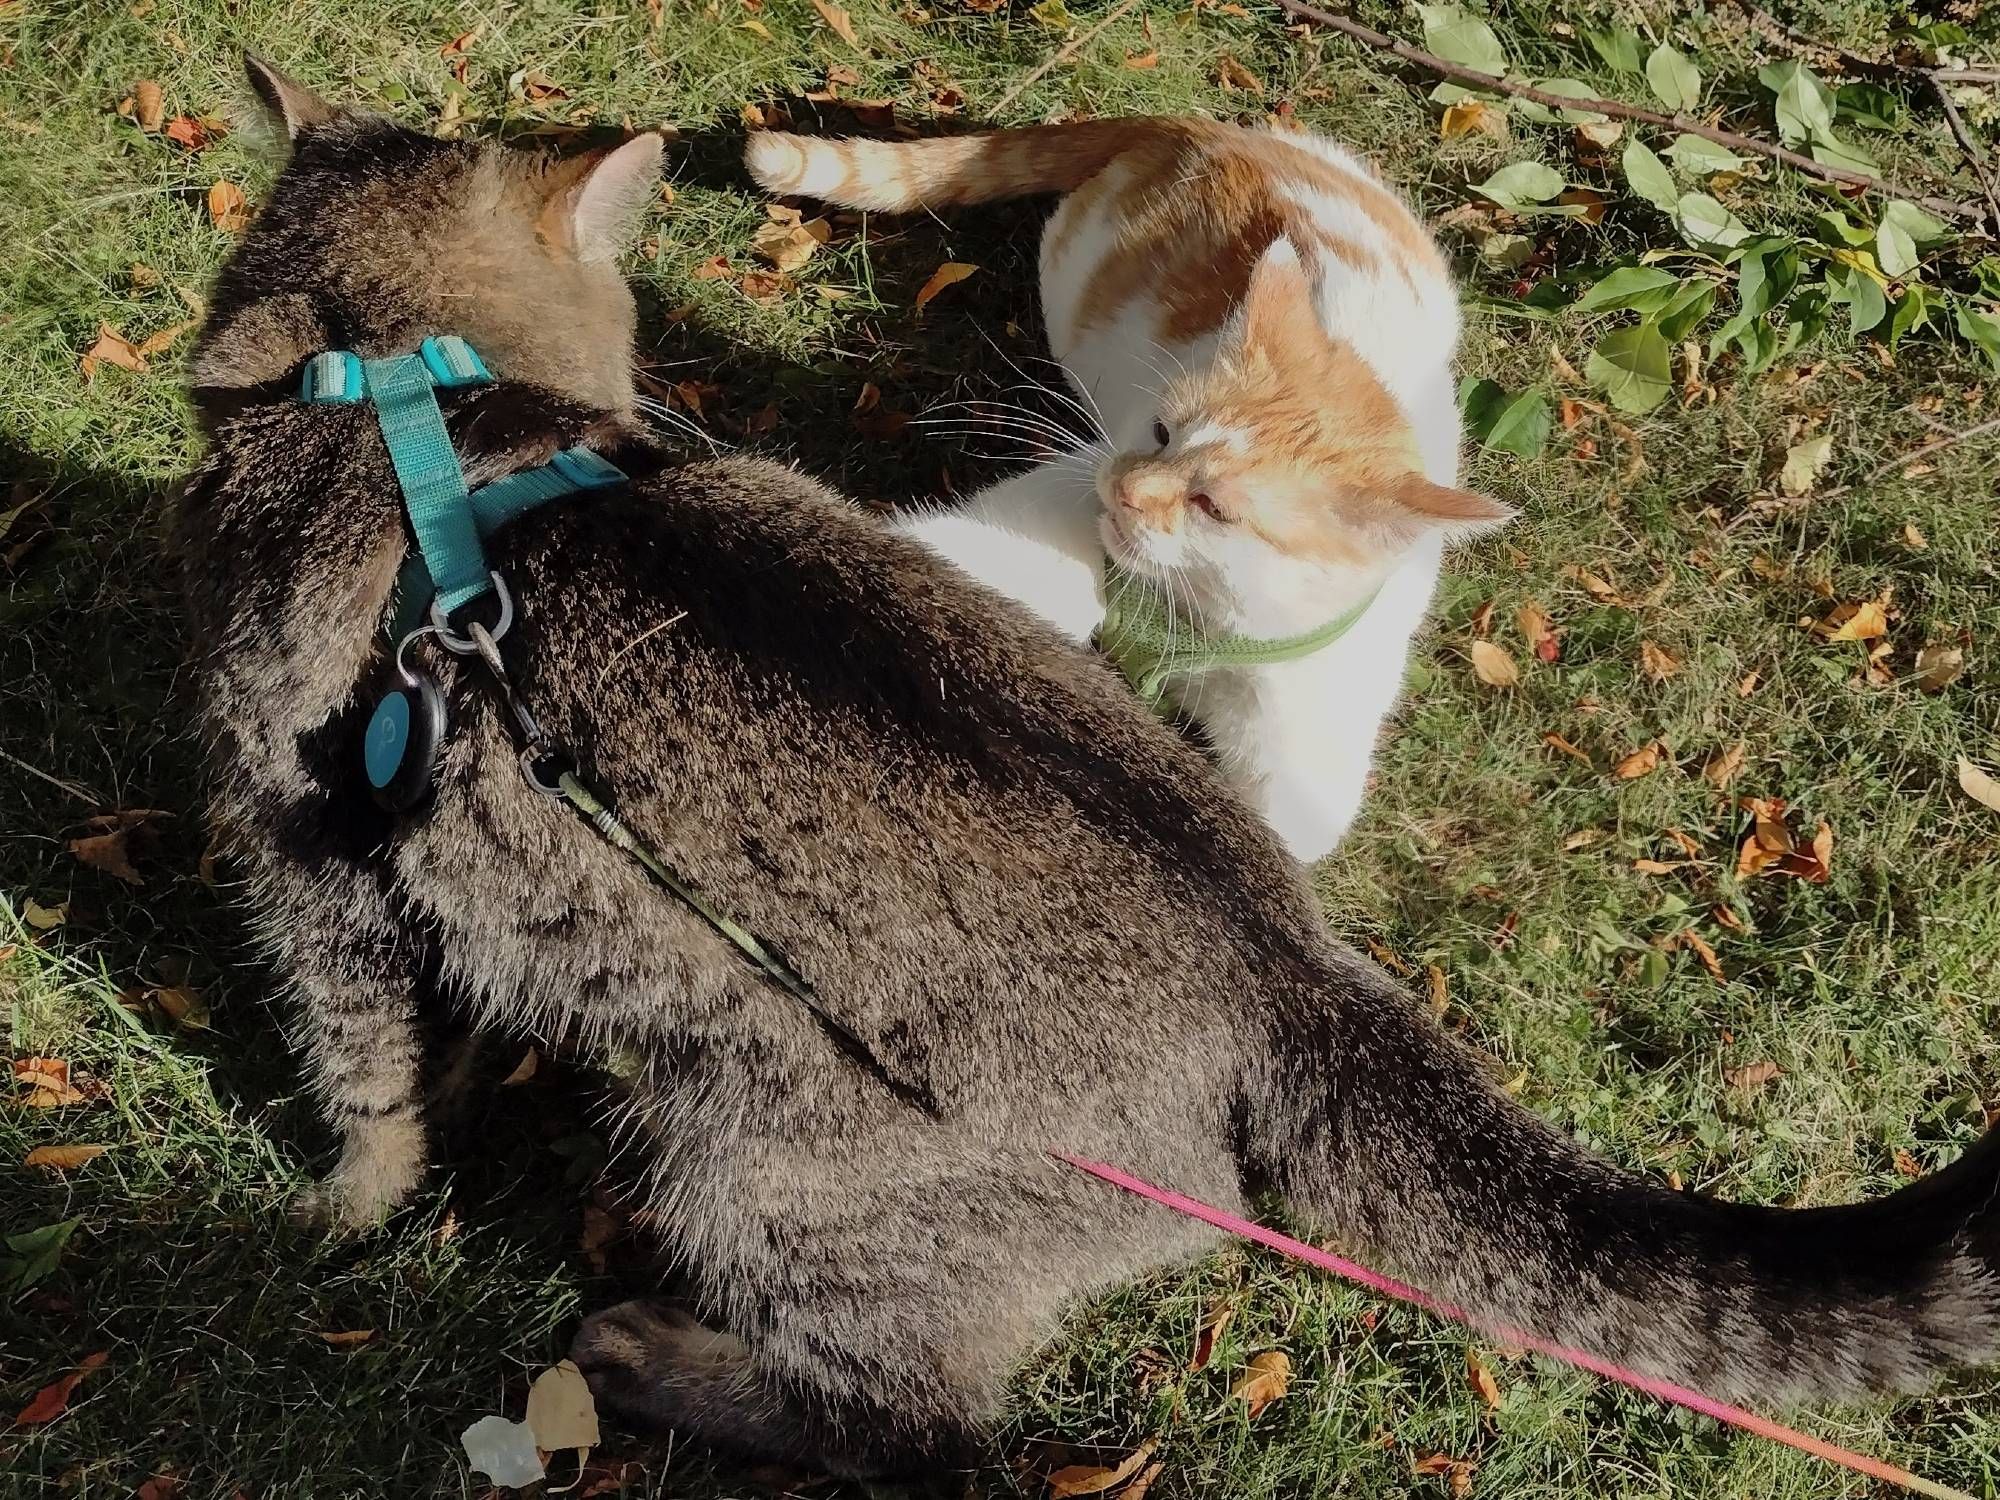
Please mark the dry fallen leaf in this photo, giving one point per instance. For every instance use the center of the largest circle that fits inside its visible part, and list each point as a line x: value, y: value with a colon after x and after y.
x: 1803, y: 462
x: 62, y: 1158
x: 149, y: 105
x: 1142, y: 62
x: 1641, y: 762
x: 347, y: 1338
x: 1493, y: 666
x: 949, y: 274
x: 193, y: 132
x: 1596, y: 585
x: 1469, y: 116
x: 228, y: 209
x: 1906, y: 1165
x: 163, y: 1486
x: 1978, y: 785
x: 1136, y: 1490
x: 1939, y: 666
x: 108, y: 846
x: 1700, y: 947
x: 1482, y: 1381
x: 1723, y: 766
x: 1212, y: 1323
x: 112, y: 348
x: 1855, y: 622
x: 1534, y: 623
x: 181, y: 1004
x: 764, y: 286
x: 789, y: 246
x: 47, y: 1081
x: 53, y: 1399
x: 712, y: 269
x: 561, y: 1411
x: 839, y: 20
x: 1266, y: 1380
x: 504, y: 1452
x: 1232, y: 74
x: 1656, y: 663
x: 1751, y: 1077
x: 1557, y: 742
x: 1085, y: 1479
x: 523, y: 1070
x: 1437, y: 989
x: 756, y: 28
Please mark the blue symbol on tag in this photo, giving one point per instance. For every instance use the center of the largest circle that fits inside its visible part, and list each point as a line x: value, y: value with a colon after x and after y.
x: 388, y: 736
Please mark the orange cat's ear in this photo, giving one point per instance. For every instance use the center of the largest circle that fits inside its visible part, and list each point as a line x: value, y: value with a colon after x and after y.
x: 1278, y: 304
x: 1443, y: 505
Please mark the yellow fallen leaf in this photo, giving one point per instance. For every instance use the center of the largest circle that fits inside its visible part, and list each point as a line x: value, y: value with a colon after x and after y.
x: 561, y: 1411
x: 756, y: 28
x: 1700, y: 947
x: 112, y: 348
x: 1232, y: 74
x: 1469, y: 116
x: 1978, y: 785
x: 1086, y: 1479
x: 1142, y: 62
x: 1913, y: 537
x: 182, y: 1004
x: 150, y: 106
x: 228, y: 209
x: 1641, y: 762
x: 1656, y: 663
x: 1856, y: 622
x: 789, y: 246
x: 949, y: 274
x: 1266, y: 1380
x: 1939, y: 666
x: 1493, y: 666
x: 1803, y: 462
x: 1482, y: 1381
x: 1723, y: 766
x: 347, y: 1338
x: 62, y: 1158
x: 839, y: 20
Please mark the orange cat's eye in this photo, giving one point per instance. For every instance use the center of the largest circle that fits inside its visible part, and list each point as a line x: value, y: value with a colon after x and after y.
x: 1204, y: 502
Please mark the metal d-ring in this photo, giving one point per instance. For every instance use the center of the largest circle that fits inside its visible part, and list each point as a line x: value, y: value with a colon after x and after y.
x: 403, y: 645
x: 465, y: 645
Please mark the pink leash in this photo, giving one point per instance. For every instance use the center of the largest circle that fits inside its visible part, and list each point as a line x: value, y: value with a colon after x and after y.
x: 1679, y: 1395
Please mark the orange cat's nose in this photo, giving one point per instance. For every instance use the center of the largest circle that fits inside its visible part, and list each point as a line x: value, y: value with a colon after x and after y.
x: 1152, y: 493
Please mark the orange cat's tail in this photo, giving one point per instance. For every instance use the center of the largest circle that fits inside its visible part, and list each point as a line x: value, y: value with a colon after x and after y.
x: 898, y: 176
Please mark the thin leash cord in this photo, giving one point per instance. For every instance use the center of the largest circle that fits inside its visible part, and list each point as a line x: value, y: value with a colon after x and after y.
x: 614, y: 831
x: 1678, y: 1395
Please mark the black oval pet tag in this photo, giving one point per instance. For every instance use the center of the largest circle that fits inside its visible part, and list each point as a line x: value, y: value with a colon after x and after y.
x: 404, y: 732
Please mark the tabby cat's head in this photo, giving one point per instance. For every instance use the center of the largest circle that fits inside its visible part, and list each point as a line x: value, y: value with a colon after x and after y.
x: 376, y: 236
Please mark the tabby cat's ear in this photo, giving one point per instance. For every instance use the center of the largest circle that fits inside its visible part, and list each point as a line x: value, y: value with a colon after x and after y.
x: 596, y: 205
x: 1444, y: 505
x: 290, y: 102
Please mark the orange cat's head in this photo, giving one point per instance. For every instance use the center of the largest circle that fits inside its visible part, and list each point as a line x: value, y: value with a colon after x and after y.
x: 1284, y: 460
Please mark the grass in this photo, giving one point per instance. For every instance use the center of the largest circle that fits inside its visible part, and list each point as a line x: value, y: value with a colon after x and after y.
x: 1874, y: 993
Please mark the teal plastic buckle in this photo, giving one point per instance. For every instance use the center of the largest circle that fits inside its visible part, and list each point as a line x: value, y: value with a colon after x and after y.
x: 585, y: 470
x: 332, y: 378
x: 452, y: 362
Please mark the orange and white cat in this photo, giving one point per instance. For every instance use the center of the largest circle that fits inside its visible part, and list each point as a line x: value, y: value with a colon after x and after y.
x: 1264, y: 335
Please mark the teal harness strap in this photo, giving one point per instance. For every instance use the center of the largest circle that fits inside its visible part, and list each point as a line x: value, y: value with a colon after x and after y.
x: 433, y: 484
x: 1152, y: 646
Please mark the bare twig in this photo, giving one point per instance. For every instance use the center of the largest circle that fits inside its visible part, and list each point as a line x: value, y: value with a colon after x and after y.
x: 1618, y: 110
x: 1060, y: 56
x: 1966, y: 75
x: 1975, y: 157
x: 1903, y: 460
x: 1852, y: 62
x: 55, y: 781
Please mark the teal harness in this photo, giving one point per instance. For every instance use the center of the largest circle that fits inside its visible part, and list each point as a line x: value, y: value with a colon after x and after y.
x: 448, y: 573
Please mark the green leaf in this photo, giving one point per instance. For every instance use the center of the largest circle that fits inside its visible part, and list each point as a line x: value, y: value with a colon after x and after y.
x: 34, y: 1253
x: 1458, y: 36
x: 1758, y: 344
x: 1988, y: 271
x: 1649, y: 177
x: 1829, y: 150
x: 1912, y: 312
x: 1939, y: 35
x: 1642, y: 288
x: 1456, y: 93
x: 1480, y: 401
x: 1619, y: 47
x: 1523, y: 427
x: 1568, y: 88
x: 1866, y: 304
x: 1765, y: 278
x: 1698, y: 156
x: 1675, y: 81
x: 1053, y: 14
x: 1983, y: 328
x: 1868, y: 105
x: 1804, y: 104
x: 1706, y: 222
x: 1632, y: 366
x: 1895, y: 251
x: 1914, y: 222
x: 1522, y: 182
x: 1835, y: 228
x: 1691, y: 304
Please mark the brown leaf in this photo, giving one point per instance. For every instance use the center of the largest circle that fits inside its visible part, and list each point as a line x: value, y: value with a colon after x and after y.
x: 1855, y: 622
x: 1082, y: 1479
x: 1978, y: 785
x: 523, y: 1070
x: 108, y: 847
x: 1588, y: 199
x: 1659, y: 866
x: 165, y: 339
x: 764, y: 286
x: 1266, y: 1380
x: 1482, y: 619
x: 1534, y: 623
x: 949, y: 274
x: 1142, y: 62
x: 712, y: 269
x: 1656, y: 663
x: 191, y: 132
x: 1699, y: 946
x: 228, y: 209
x: 839, y: 20
x: 789, y: 246
x: 62, y: 1158
x: 1469, y: 116
x: 47, y: 1081
x: 53, y: 1399
x: 1906, y: 1165
x: 1723, y: 766
x: 165, y: 1486
x: 112, y: 348
x: 149, y: 105
x: 1437, y: 989
x: 350, y: 1338
x: 1212, y: 1323
x: 1938, y: 667
x: 1136, y: 1490
x: 1482, y: 1381
x: 1493, y: 666
x: 1725, y: 916
x: 1232, y: 74
x: 460, y: 44
x: 1596, y: 585
x: 1751, y: 1077
x: 1641, y: 762
x: 538, y: 88
x: 181, y: 1004
x: 1557, y: 742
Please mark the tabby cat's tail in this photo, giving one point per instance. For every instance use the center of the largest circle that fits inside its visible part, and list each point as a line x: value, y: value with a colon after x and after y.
x: 899, y: 176
x: 1388, y: 1133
